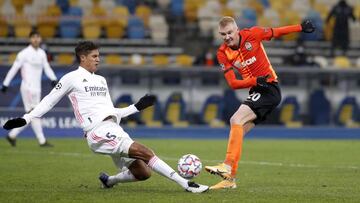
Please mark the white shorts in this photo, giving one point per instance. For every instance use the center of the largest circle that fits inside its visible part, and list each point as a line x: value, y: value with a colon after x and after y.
x: 30, y: 98
x: 109, y: 138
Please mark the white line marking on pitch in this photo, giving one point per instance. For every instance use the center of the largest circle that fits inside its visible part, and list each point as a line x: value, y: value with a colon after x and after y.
x: 263, y: 163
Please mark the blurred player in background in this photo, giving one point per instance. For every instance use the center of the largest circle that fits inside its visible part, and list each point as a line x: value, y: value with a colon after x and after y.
x: 99, y: 119
x: 32, y: 61
x: 243, y: 52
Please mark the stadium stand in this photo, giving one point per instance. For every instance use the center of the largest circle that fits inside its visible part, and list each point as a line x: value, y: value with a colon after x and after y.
x: 231, y: 104
x: 124, y: 101
x: 175, y: 111
x: 212, y: 111
x: 113, y: 59
x: 342, y: 62
x: 319, y: 108
x: 136, y: 37
x: 290, y: 112
x: 4, y: 28
x: 160, y: 60
x: 152, y: 116
x: 348, y: 112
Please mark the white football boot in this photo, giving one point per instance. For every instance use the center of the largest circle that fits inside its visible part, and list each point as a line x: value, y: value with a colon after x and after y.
x: 196, y: 188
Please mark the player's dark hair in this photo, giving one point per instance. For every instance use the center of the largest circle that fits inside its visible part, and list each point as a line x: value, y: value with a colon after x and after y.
x: 84, y: 48
x: 33, y: 32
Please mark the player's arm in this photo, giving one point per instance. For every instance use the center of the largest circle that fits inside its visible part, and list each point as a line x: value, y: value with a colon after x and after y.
x: 230, y: 76
x: 46, y: 104
x: 267, y: 33
x: 12, y: 72
x: 126, y: 111
x: 48, y: 71
x: 144, y: 102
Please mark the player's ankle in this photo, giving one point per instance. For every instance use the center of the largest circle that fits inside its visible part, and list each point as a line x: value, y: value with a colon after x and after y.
x: 227, y: 166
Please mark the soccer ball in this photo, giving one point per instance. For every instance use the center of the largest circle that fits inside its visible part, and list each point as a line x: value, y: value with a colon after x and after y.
x: 189, y: 166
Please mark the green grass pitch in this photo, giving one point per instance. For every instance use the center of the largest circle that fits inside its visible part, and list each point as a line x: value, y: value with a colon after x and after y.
x: 269, y: 171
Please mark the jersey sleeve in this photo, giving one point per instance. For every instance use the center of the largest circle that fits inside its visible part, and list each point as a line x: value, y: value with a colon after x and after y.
x: 47, y: 69
x: 223, y: 61
x: 19, y: 61
x: 63, y: 87
x: 262, y: 33
x: 235, y: 83
x: 265, y: 33
x: 124, y: 112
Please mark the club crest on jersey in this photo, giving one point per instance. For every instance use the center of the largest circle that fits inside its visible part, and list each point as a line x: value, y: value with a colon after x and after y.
x: 248, y: 46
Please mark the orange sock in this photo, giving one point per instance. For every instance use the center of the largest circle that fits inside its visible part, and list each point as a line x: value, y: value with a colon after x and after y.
x: 234, y: 147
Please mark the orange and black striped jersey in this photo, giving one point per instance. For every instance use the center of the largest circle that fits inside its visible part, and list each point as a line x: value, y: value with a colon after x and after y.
x: 250, y: 59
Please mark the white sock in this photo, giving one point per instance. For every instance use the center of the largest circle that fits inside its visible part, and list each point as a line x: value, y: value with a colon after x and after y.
x: 122, y: 177
x: 160, y: 167
x: 14, y: 132
x: 36, y: 126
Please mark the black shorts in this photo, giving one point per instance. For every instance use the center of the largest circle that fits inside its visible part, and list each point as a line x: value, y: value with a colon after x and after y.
x: 263, y: 100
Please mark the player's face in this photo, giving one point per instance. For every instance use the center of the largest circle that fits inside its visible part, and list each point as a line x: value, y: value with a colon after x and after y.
x: 90, y: 61
x: 35, y: 40
x: 230, y: 35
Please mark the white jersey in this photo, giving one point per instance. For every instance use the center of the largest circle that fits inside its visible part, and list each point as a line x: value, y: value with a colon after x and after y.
x: 32, y: 62
x: 89, y: 96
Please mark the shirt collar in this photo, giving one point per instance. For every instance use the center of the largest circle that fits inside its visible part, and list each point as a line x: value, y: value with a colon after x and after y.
x: 83, y: 70
x: 32, y: 48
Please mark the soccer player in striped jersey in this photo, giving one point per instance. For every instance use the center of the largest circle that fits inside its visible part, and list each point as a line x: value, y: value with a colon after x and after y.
x: 243, y: 52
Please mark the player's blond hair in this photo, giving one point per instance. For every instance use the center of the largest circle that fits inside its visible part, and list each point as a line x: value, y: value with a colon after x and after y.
x: 224, y: 21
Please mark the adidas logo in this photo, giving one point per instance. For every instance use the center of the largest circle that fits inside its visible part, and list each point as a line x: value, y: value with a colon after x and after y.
x: 84, y: 80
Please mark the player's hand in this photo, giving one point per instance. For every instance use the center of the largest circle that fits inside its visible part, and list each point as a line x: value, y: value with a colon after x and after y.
x: 4, y: 89
x: 262, y: 80
x: 14, y: 123
x: 145, y: 101
x: 307, y: 26
x: 53, y: 83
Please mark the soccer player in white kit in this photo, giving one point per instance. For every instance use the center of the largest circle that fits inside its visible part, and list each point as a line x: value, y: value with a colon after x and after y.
x: 32, y: 61
x: 100, y: 120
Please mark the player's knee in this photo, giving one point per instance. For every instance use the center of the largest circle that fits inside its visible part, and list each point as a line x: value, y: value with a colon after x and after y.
x: 140, y: 170
x: 146, y: 174
x: 139, y: 151
x: 147, y: 154
x: 235, y: 120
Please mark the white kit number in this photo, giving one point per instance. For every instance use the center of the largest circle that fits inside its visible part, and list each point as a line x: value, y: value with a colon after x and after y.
x: 254, y: 96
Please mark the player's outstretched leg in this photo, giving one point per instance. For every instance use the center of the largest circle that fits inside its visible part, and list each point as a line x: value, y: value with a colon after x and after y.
x: 104, y: 178
x: 139, y: 151
x: 137, y: 171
